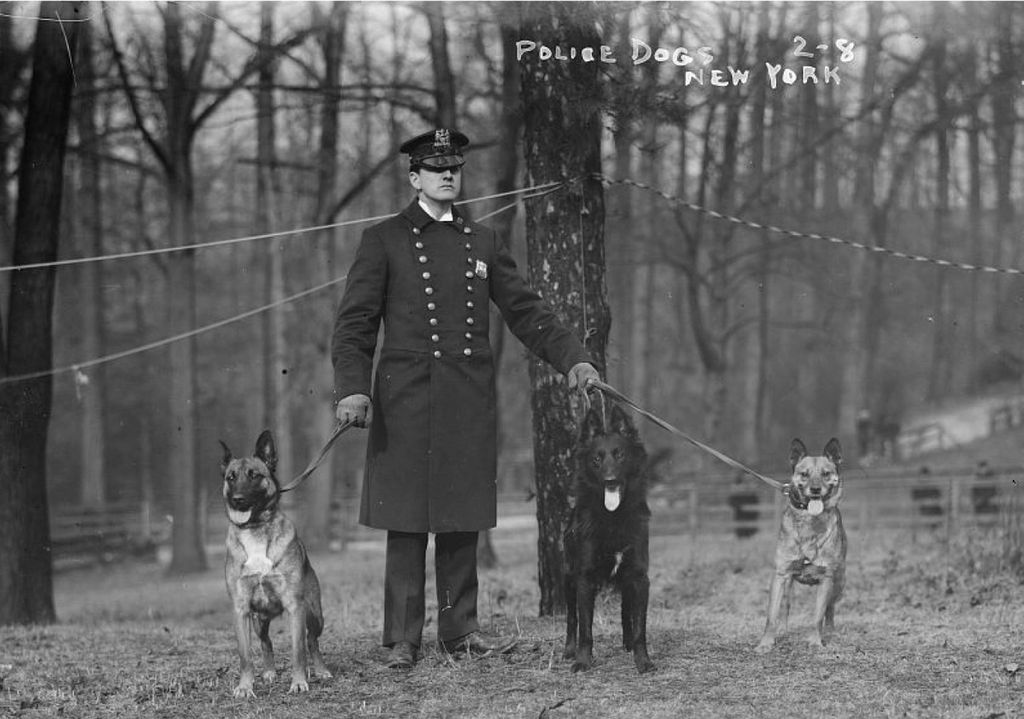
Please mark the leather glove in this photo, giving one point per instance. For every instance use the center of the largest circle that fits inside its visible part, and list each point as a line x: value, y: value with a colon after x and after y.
x: 582, y: 375
x: 355, y: 407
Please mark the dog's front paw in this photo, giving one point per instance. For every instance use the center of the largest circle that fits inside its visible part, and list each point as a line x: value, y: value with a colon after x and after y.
x: 644, y: 664
x: 244, y: 689
x: 299, y: 685
x: 765, y: 645
x: 815, y: 641
x: 583, y: 663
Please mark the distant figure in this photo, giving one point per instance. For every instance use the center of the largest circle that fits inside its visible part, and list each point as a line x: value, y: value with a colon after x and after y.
x: 983, y: 493
x: 888, y: 436
x: 864, y: 429
x: 744, y: 501
x: 927, y: 499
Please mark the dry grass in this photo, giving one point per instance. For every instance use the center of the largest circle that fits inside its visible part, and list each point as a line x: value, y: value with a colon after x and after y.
x: 925, y: 630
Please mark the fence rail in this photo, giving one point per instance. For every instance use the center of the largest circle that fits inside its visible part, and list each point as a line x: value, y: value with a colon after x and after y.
x: 943, y: 501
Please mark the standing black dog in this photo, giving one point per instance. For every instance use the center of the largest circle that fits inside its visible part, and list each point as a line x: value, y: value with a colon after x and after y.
x: 267, y: 569
x: 606, y: 539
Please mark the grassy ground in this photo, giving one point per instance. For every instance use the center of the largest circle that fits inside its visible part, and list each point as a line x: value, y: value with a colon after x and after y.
x: 926, y: 630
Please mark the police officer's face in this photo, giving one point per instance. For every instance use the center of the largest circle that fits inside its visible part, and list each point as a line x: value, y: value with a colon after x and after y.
x: 443, y: 185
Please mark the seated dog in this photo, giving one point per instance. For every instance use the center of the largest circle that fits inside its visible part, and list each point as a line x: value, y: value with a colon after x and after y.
x: 606, y: 537
x: 812, y: 543
x: 267, y: 569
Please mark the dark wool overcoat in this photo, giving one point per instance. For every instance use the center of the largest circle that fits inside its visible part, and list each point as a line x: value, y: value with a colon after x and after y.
x: 431, y: 453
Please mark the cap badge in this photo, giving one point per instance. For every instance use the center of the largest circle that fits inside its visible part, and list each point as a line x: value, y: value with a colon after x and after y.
x: 442, y: 140
x: 481, y: 269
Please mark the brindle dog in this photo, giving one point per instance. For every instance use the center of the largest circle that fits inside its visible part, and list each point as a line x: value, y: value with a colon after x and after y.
x: 267, y: 569
x: 812, y: 543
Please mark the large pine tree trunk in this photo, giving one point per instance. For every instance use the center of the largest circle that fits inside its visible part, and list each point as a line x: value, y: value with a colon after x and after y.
x: 26, y: 586
x: 565, y: 244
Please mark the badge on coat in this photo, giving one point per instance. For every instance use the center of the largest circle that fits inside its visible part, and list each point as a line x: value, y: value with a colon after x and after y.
x: 481, y: 269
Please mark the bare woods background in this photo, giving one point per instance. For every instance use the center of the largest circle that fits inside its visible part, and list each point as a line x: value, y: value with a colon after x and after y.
x: 197, y: 122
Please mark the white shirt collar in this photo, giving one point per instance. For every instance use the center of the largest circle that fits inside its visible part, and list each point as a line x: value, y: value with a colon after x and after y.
x: 446, y: 217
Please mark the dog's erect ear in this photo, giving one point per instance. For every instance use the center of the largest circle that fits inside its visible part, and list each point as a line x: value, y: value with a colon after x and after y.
x: 266, y: 451
x: 834, y: 452
x: 797, y: 451
x: 620, y: 423
x: 592, y: 425
x: 226, y: 458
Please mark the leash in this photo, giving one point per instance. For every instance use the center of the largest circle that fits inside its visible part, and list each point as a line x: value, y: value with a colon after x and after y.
x: 615, y: 394
x: 338, y: 430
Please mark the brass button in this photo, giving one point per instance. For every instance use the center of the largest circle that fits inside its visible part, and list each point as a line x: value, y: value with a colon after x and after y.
x: 469, y: 335
x: 435, y: 338
x: 426, y: 275
x: 469, y: 320
x: 469, y: 260
x: 468, y: 246
x: 467, y: 351
x: 469, y: 274
x: 437, y: 354
x: 469, y: 304
x: 423, y: 259
x: 433, y: 322
x: 466, y: 230
x: 429, y: 290
x: 469, y: 288
x: 419, y: 245
x: 415, y: 230
x: 431, y: 306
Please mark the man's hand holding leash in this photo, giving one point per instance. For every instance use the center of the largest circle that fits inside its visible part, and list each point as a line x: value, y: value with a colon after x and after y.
x: 355, y: 409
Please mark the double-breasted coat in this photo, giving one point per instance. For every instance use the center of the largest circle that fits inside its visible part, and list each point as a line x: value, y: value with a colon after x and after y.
x: 431, y: 458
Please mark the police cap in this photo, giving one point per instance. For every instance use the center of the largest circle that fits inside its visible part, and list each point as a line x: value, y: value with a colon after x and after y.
x: 436, y: 149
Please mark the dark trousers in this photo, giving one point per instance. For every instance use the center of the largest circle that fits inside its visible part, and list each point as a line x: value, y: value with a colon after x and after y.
x: 405, y: 580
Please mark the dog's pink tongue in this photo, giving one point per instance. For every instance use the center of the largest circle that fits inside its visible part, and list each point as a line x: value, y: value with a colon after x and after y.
x: 815, y: 507
x: 612, y: 497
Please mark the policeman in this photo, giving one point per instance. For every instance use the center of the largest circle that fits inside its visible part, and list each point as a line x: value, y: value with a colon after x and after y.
x: 429, y: 274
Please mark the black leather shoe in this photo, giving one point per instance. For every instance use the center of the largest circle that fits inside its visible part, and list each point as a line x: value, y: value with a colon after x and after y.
x: 479, y: 644
x: 401, y: 656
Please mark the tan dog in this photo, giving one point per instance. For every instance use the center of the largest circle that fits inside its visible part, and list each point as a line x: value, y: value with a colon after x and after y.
x: 812, y: 543
x: 267, y: 569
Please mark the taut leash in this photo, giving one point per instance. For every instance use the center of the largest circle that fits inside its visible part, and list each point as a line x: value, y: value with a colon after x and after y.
x: 615, y: 394
x: 338, y: 430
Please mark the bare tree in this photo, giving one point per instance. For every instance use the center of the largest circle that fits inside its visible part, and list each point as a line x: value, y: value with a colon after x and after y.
x: 184, y: 113
x: 26, y: 587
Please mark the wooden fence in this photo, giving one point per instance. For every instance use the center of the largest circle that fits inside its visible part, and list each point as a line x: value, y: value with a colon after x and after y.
x: 945, y: 501
x: 872, y: 500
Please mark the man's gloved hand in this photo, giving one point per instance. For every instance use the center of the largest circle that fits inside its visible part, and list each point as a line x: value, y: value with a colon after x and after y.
x: 582, y: 375
x: 355, y: 407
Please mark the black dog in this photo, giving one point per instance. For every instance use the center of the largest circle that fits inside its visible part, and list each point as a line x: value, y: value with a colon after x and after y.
x: 606, y: 537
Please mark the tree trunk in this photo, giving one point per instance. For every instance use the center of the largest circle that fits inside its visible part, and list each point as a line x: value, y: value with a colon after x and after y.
x: 565, y: 244
x: 1004, y: 132
x: 188, y: 534
x: 90, y: 277
x: 853, y: 373
x: 26, y: 586
x: 444, y: 81
x: 277, y: 415
x: 319, y: 495
x: 941, y: 369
